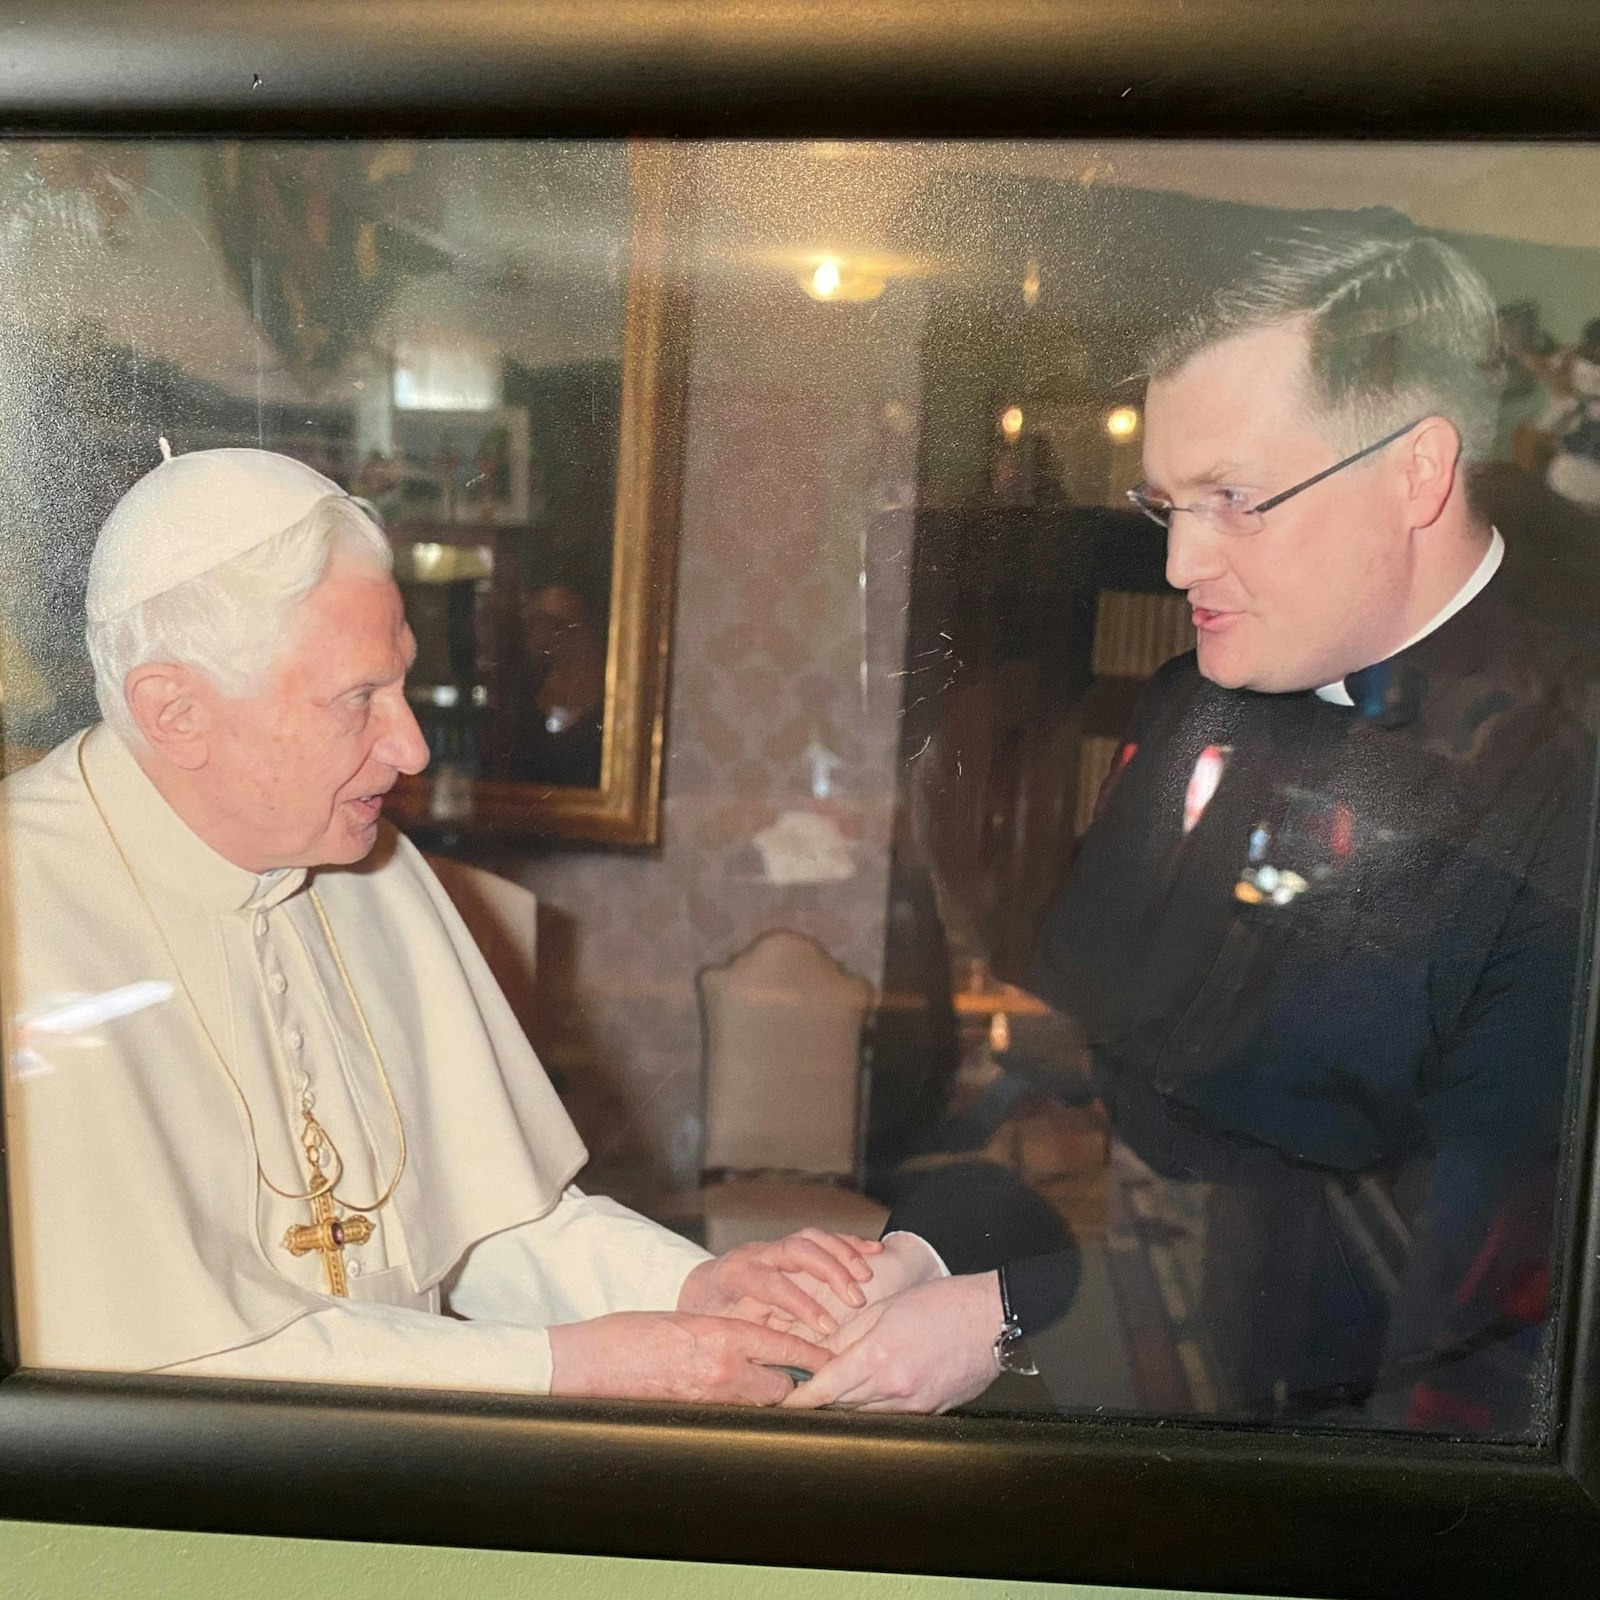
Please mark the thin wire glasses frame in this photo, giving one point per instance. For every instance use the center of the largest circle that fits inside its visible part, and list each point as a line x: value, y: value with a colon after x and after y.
x: 1240, y: 520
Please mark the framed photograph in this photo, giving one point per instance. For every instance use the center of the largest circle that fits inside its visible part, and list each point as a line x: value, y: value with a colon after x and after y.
x: 458, y: 466
x: 1110, y: 522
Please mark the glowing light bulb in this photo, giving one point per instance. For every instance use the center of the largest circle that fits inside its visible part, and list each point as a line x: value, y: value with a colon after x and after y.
x: 842, y: 279
x: 1122, y: 422
x: 826, y: 279
x: 1011, y: 423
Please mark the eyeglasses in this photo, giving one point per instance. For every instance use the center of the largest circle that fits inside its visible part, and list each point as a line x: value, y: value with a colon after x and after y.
x: 1226, y: 510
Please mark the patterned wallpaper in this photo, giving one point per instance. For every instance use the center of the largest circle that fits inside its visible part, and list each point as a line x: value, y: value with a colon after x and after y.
x: 795, y: 544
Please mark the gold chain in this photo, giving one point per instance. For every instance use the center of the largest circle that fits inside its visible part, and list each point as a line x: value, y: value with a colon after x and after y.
x: 377, y: 1059
x: 314, y: 1137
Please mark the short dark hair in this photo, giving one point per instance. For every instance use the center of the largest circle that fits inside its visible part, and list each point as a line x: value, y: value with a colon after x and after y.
x: 1399, y: 324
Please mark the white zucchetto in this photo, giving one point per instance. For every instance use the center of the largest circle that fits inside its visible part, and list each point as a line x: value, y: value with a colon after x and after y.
x: 192, y: 513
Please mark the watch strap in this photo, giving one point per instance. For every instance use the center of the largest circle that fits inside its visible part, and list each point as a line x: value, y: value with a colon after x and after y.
x: 1010, y: 1349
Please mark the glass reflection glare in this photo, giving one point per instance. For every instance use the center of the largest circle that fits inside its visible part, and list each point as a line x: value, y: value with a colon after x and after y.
x: 76, y: 1020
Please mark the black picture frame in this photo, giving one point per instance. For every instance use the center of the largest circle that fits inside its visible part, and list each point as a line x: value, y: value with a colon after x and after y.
x: 1214, y: 1507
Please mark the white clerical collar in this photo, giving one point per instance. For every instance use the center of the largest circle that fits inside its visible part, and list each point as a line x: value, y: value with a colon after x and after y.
x: 160, y: 846
x: 1336, y: 694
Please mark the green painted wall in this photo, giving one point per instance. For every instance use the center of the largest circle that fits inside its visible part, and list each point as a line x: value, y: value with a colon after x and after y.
x: 44, y: 1562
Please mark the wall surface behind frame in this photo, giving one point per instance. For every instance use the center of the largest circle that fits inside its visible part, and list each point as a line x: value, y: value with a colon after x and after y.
x: 43, y: 1562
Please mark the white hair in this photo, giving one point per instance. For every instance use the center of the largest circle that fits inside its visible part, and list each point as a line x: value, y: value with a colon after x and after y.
x: 233, y: 621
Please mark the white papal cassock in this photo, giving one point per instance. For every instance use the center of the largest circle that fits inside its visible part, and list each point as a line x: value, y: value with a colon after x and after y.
x: 142, y: 1235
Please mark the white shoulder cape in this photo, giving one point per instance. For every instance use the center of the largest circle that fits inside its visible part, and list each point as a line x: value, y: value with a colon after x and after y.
x: 133, y: 1182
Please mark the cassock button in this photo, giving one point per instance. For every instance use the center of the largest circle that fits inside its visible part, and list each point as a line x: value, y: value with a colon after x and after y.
x: 261, y: 925
x: 277, y: 983
x: 295, y: 1038
x: 353, y: 1268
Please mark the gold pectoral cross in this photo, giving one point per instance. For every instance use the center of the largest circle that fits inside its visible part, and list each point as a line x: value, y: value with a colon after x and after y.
x: 328, y: 1235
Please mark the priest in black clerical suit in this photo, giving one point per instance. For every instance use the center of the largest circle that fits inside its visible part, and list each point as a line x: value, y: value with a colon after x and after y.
x: 1356, y: 956
x: 1323, y: 936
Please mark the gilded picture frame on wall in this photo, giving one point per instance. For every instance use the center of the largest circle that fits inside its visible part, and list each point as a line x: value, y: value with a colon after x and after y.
x: 1151, y: 1500
x: 609, y: 792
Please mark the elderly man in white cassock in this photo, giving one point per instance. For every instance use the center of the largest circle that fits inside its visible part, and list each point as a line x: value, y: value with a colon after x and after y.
x: 269, y: 1114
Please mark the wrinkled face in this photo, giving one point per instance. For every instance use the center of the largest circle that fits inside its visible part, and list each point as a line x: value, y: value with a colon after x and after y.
x: 301, y: 768
x: 1325, y: 586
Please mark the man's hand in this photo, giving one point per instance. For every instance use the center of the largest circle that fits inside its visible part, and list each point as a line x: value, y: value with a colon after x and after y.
x: 928, y: 1349
x: 666, y: 1355
x: 759, y: 1282
x: 906, y: 1261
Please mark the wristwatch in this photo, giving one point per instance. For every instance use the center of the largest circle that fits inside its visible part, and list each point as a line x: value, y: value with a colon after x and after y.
x: 1010, y: 1347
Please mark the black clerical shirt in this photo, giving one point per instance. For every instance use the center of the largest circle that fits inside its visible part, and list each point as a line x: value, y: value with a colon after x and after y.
x: 1359, y: 953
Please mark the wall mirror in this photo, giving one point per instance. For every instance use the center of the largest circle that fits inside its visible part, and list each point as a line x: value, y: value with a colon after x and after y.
x: 474, y: 339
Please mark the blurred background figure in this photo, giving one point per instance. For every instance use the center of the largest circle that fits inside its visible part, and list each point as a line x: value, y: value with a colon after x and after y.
x: 564, y: 659
x: 1571, y: 420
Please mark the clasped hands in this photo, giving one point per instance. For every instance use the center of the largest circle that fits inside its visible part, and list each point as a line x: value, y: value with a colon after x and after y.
x: 877, y: 1323
x: 921, y: 1341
